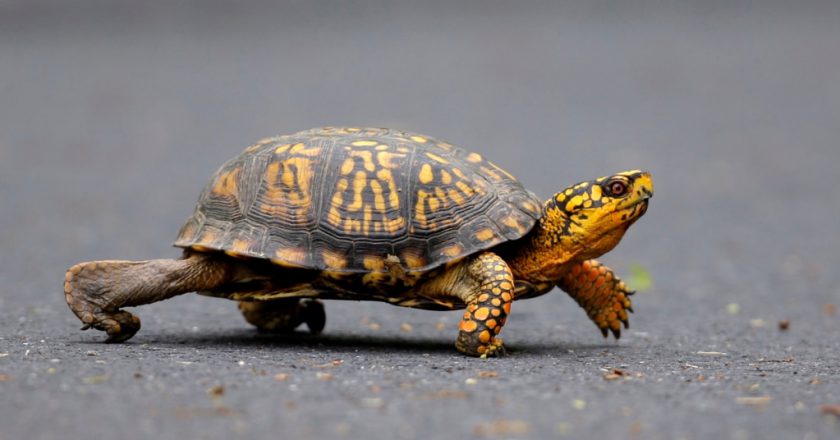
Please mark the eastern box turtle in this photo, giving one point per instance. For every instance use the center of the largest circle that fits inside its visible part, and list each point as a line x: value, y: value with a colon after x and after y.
x: 377, y: 214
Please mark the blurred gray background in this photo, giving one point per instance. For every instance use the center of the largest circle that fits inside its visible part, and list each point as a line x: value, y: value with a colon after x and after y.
x: 113, y: 114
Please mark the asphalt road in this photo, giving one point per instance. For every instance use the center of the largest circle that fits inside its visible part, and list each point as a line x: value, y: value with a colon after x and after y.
x: 114, y: 114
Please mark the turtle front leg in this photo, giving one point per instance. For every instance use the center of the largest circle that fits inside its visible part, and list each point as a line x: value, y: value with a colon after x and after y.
x: 488, y: 296
x: 96, y: 290
x: 603, y: 296
x: 284, y: 315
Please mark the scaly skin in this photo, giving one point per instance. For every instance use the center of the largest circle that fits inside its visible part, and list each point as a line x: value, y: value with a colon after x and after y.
x: 603, y: 296
x: 488, y: 305
x: 579, y: 224
x: 95, y: 291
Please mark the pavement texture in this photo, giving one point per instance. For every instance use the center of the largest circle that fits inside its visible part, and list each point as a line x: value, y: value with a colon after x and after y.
x: 114, y: 114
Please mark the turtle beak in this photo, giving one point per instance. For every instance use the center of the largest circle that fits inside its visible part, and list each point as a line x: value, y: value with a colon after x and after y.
x: 643, y: 184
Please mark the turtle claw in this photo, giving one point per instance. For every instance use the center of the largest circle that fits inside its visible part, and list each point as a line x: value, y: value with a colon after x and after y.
x: 119, y: 326
x: 604, y: 331
x: 616, y: 332
x: 495, y: 348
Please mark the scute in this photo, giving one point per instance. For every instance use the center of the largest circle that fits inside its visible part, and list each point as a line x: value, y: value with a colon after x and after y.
x: 348, y: 199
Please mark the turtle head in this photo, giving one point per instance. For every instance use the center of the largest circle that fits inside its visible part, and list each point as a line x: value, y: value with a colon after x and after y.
x: 588, y: 219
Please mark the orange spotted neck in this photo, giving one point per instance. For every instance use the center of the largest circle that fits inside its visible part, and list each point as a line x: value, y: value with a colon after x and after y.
x: 559, y: 242
x: 545, y: 251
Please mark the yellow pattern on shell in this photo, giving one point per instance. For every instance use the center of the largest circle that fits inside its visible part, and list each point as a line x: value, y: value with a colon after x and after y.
x: 307, y: 198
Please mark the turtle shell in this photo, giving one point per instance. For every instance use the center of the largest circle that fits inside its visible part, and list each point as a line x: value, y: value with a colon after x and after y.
x: 358, y: 200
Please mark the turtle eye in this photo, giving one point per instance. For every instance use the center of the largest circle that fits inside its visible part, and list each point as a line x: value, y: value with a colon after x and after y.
x: 617, y: 188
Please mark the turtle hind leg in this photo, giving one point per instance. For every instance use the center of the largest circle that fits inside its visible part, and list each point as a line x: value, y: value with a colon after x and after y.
x: 96, y: 290
x: 284, y: 315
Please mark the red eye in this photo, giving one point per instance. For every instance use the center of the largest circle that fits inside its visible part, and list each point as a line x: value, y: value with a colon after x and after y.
x: 617, y: 188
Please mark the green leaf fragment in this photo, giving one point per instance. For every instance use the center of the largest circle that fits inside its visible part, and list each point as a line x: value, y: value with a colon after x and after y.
x: 640, y: 279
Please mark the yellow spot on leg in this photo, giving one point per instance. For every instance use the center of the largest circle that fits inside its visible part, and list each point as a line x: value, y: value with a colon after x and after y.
x: 482, y: 313
x: 469, y: 326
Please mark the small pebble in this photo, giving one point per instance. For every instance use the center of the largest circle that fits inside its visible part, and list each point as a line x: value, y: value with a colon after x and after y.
x: 373, y: 402
x: 750, y: 400
x: 833, y: 410
x: 217, y: 391
x: 94, y: 380
x: 502, y: 428
x: 614, y: 374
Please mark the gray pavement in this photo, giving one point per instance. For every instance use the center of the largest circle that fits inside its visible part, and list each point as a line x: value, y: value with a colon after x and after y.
x: 114, y: 114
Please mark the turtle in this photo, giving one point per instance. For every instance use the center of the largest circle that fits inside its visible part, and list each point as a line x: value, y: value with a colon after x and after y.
x: 377, y: 214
